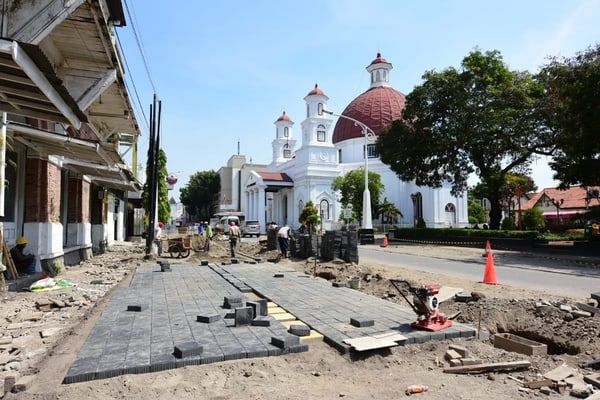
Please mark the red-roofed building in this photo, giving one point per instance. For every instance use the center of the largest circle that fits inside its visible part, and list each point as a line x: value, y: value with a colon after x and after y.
x: 559, y: 206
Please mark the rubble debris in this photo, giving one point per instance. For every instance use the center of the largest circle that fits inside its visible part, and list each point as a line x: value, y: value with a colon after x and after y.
x: 499, y: 366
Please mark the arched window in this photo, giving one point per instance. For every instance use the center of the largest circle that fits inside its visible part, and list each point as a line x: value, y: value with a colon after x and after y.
x: 450, y: 210
x: 286, y: 131
x: 321, y: 133
x: 324, y: 209
x: 320, y: 108
x: 417, y: 200
x: 300, y: 207
x: 287, y: 152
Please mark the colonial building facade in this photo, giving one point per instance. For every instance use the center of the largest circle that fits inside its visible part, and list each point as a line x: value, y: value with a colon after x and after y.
x: 304, y: 164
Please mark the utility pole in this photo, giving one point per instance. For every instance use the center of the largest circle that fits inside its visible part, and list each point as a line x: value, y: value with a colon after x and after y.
x: 153, y: 152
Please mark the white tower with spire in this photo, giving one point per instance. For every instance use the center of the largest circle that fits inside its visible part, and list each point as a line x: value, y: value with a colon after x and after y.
x: 284, y: 142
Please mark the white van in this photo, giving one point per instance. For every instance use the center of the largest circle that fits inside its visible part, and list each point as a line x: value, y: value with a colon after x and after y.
x: 225, y: 222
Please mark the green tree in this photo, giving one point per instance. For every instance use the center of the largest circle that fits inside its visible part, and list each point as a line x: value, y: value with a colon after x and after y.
x: 201, y: 194
x: 533, y: 219
x: 388, y: 212
x: 164, y: 207
x: 573, y: 93
x: 477, y: 212
x: 310, y: 215
x: 352, y: 185
x: 483, y: 118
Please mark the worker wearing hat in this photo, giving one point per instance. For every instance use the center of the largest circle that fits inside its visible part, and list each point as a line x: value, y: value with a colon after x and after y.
x: 24, y: 262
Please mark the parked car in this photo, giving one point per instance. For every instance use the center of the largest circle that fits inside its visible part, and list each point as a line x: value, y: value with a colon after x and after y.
x: 251, y: 228
x: 225, y: 222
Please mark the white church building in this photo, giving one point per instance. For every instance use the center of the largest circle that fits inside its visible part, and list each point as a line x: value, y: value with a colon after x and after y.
x: 305, y: 163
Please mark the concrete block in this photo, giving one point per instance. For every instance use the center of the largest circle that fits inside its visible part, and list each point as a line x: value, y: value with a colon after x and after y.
x: 187, y: 349
x: 462, y: 350
x: 136, y: 307
x: 471, y: 361
x: 361, y: 321
x: 596, y: 296
x: 339, y: 284
x: 452, y: 355
x: 208, y: 318
x: 519, y: 344
x: 299, y: 330
x: 285, y: 342
x: 463, y: 297
x: 454, y: 362
x: 260, y: 321
x: 203, y: 262
x: 243, y: 316
x: 587, y: 307
x: 259, y: 307
x: 235, y: 300
x: 235, y: 261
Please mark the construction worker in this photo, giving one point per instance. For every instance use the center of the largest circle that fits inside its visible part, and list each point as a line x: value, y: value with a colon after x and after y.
x: 24, y: 261
x: 208, y: 234
x: 234, y: 236
x: 283, y: 237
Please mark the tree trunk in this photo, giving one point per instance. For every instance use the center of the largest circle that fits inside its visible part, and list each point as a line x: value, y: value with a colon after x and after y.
x: 495, y: 213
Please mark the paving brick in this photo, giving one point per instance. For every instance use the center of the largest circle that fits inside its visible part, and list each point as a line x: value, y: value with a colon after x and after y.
x: 339, y: 284
x: 278, y: 275
x: 260, y: 321
x: 299, y: 330
x: 203, y: 262
x: 284, y: 342
x: 462, y: 350
x: 362, y: 321
x: 187, y: 349
x: 208, y: 318
x: 243, y: 316
x: 136, y: 307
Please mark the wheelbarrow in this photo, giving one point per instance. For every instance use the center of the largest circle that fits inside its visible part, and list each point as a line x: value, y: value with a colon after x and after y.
x: 179, y: 247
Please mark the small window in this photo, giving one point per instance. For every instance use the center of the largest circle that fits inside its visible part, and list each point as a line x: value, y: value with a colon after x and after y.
x: 340, y: 156
x: 286, y: 131
x: 324, y: 209
x: 321, y: 133
x: 287, y: 152
x: 372, y: 151
x: 320, y: 108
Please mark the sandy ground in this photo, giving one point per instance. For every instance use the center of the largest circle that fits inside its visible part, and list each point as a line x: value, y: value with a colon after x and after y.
x: 41, y: 333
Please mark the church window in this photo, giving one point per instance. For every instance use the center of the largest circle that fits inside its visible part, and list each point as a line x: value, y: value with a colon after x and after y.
x: 340, y: 156
x: 321, y: 133
x: 287, y: 152
x: 371, y: 151
x: 324, y: 209
x: 320, y: 108
x: 286, y: 131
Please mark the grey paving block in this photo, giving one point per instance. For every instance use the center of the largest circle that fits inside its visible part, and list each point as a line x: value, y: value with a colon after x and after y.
x: 260, y: 321
x: 299, y: 330
x: 203, y: 262
x: 361, y: 321
x: 230, y: 300
x: 235, y: 261
x: 279, y: 275
x: 338, y: 284
x: 137, y: 307
x: 187, y: 349
x: 299, y: 348
x: 284, y: 342
x: 208, y: 318
x: 243, y: 316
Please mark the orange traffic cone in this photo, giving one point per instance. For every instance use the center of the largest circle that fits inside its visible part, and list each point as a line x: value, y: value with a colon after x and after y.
x: 489, y: 276
x: 385, y: 241
x: 488, y: 249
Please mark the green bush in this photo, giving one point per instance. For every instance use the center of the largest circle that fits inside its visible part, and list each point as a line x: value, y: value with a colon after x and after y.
x: 421, y: 223
x: 466, y: 232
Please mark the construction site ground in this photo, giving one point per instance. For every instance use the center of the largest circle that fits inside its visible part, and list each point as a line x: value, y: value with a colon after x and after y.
x: 42, y: 334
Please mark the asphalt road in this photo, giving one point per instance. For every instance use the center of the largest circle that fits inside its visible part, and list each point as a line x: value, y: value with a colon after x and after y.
x: 559, y: 275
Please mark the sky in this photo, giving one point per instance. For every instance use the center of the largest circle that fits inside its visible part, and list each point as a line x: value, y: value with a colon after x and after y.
x: 224, y: 71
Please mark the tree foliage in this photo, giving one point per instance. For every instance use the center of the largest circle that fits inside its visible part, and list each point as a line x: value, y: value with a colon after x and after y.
x: 310, y: 215
x: 164, y: 207
x: 352, y: 185
x: 533, y: 219
x: 387, y: 211
x: 483, y: 118
x: 201, y: 194
x: 477, y: 212
x: 573, y: 91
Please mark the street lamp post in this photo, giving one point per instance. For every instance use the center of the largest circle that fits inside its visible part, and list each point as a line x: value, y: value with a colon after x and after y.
x: 367, y: 219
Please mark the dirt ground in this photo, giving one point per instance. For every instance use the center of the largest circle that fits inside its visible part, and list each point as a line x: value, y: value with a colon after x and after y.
x: 41, y: 332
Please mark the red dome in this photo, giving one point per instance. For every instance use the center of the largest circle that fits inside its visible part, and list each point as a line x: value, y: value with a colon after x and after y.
x: 316, y: 91
x: 377, y: 108
x: 284, y: 117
